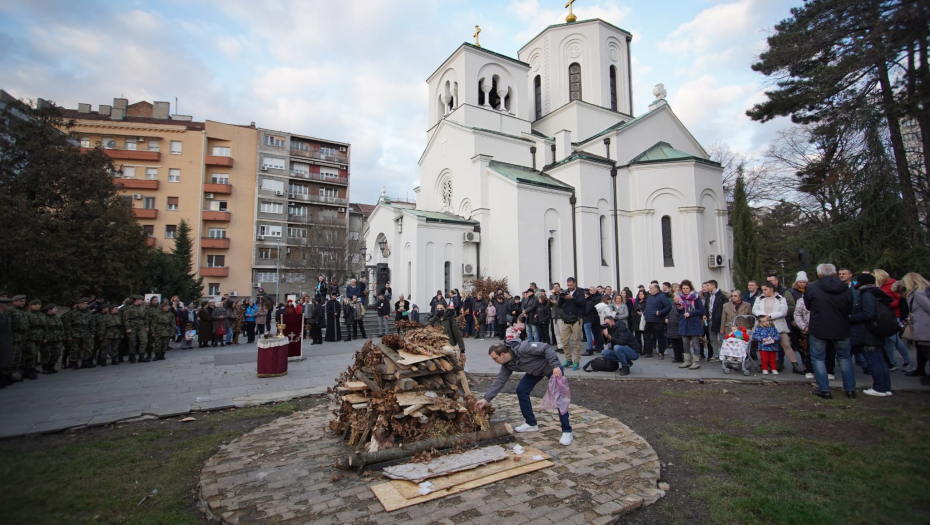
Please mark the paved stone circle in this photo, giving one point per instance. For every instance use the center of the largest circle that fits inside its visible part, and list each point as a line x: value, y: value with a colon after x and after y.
x: 282, y: 472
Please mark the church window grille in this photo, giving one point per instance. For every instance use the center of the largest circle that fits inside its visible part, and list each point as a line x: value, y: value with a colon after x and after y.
x: 448, y: 276
x: 550, y: 245
x: 667, y: 241
x: 613, y: 88
x: 537, y: 86
x: 604, y: 240
x: 493, y: 98
x: 447, y: 192
x: 574, y: 81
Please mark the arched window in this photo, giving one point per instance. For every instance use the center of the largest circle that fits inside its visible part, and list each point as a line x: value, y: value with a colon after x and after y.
x: 604, y: 240
x: 448, y: 276
x: 574, y: 82
x: 613, y: 88
x: 537, y: 88
x: 667, y: 241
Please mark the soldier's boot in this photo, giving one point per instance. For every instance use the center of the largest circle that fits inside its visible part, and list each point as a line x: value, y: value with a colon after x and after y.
x: 115, y: 360
x: 48, y: 369
x: 102, y: 361
x: 29, y: 373
x: 132, y: 358
x: 122, y: 359
x: 90, y: 363
x: 161, y: 356
x: 52, y: 369
x: 147, y: 358
x: 74, y: 365
x: 13, y: 379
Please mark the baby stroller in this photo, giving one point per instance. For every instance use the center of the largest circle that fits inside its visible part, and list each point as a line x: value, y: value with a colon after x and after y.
x: 734, y: 352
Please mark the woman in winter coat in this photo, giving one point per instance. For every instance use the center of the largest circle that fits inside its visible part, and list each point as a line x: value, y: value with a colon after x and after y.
x: 251, y: 310
x: 871, y: 346
x: 636, y: 316
x: 672, y: 321
x: 885, y: 282
x: 775, y: 306
x: 917, y: 297
x: 500, y: 321
x: 543, y: 316
x: 690, y: 325
x: 619, y: 309
x: 439, y: 299
x: 220, y: 318
x: 205, y: 325
x: 261, y: 315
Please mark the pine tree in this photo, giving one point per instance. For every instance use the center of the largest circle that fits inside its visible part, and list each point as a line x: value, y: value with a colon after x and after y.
x: 187, y: 285
x: 746, y: 261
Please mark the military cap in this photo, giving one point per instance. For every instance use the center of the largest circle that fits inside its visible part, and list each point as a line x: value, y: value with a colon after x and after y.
x: 106, y: 306
x: 137, y: 298
x: 47, y: 306
x: 84, y: 300
x: 18, y: 298
x: 5, y: 300
x: 35, y: 301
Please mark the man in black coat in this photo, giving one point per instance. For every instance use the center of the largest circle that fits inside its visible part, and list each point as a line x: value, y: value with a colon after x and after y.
x: 572, y: 303
x: 530, y: 304
x: 830, y: 302
x: 713, y: 301
x: 622, y: 345
x: 655, y: 311
x: 333, y: 311
x: 316, y: 318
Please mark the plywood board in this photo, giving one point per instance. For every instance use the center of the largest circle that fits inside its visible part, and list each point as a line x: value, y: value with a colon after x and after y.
x: 392, y: 500
x: 356, y: 385
x: 410, y: 490
x: 355, y: 398
x: 448, y: 464
x: 410, y: 398
x: 409, y: 359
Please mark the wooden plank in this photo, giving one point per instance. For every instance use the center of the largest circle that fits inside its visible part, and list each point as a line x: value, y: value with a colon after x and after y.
x: 445, y: 365
x: 412, y: 408
x: 465, y: 383
x: 406, y: 384
x: 342, y: 390
x: 448, y: 464
x: 356, y: 385
x: 392, y: 355
x: 430, y: 365
x: 355, y: 398
x: 411, y: 359
x: 392, y: 500
x: 367, y: 382
x: 360, y: 406
x: 409, y: 398
x: 410, y: 489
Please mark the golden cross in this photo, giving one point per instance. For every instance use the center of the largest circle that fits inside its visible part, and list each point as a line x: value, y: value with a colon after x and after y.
x: 571, y: 16
x: 477, y: 31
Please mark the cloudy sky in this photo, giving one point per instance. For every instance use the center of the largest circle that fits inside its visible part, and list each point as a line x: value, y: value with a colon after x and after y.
x: 355, y: 70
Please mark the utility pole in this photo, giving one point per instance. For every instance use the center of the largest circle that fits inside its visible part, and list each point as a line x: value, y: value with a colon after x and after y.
x: 277, y: 281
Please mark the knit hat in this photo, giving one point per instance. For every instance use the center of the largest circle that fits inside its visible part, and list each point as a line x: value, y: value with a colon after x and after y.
x: 18, y: 298
x: 47, y: 307
x: 864, y: 278
x: 35, y: 301
x: 802, y: 276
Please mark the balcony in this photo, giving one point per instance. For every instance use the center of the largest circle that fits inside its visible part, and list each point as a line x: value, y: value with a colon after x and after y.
x: 327, y: 200
x: 150, y: 241
x: 216, y: 160
x: 129, y: 154
x: 310, y: 219
x: 211, y: 242
x: 339, y: 158
x: 321, y: 178
x: 216, y: 215
x: 223, y: 189
x: 136, y: 184
x: 216, y: 271
x: 145, y: 213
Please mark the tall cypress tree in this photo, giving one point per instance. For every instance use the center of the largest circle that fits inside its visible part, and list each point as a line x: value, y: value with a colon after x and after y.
x: 746, y: 261
x: 189, y: 286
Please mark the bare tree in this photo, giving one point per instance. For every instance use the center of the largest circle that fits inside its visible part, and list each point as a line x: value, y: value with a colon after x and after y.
x: 322, y: 247
x: 756, y: 173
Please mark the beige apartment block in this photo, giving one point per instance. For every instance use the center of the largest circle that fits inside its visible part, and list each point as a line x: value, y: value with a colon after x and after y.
x: 169, y: 168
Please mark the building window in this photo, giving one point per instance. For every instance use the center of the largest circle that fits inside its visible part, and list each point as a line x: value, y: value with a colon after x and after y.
x: 269, y: 231
x: 216, y: 261
x: 613, y: 88
x: 213, y: 289
x: 171, y: 230
x: 217, y: 233
x: 272, y: 163
x: 129, y: 172
x: 537, y: 87
x: 329, y: 192
x: 129, y: 144
x: 329, y: 173
x: 299, y: 168
x: 273, y: 185
x: 353, y: 236
x: 274, y: 142
x: 107, y: 142
x: 271, y: 207
x: 220, y: 151
x: 297, y: 233
x: 172, y: 203
x: 298, y: 188
x: 300, y: 146
x: 218, y: 206
x: 266, y: 253
x: 175, y: 147
x: 153, y: 145
x: 667, y: 255
x: 149, y: 203
x: 149, y: 230
x: 151, y: 173
x: 574, y: 82
x: 266, y: 277
x: 126, y: 200
x: 174, y: 175
x: 299, y: 211
x: 328, y: 214
x: 326, y: 151
x: 85, y: 142
x: 219, y: 178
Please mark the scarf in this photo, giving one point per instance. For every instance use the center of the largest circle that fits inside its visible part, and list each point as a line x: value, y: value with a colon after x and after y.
x: 688, y: 300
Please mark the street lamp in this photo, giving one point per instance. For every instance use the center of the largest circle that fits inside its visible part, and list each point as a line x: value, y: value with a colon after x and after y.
x: 384, y: 251
x: 365, y: 256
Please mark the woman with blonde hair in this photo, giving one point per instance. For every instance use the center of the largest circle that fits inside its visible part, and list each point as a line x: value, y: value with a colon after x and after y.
x: 917, y: 297
x: 885, y: 282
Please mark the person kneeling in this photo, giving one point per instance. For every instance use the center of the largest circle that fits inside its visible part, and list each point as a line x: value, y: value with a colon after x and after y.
x: 536, y: 360
x: 622, y: 347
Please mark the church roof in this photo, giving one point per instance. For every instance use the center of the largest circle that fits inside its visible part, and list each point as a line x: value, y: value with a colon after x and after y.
x: 530, y: 41
x: 664, y: 152
x: 438, y: 216
x: 582, y: 155
x: 619, y: 125
x: 501, y: 134
x: 481, y: 49
x: 524, y: 175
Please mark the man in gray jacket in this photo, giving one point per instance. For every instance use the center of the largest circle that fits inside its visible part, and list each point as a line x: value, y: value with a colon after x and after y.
x: 535, y: 360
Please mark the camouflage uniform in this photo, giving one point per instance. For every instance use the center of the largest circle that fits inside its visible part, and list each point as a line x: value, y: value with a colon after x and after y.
x: 20, y: 330
x: 134, y: 326
x: 80, y: 329
x: 109, y: 332
x: 54, y: 342
x: 163, y: 328
x: 65, y: 319
x: 150, y: 313
x: 34, y: 339
x: 97, y: 316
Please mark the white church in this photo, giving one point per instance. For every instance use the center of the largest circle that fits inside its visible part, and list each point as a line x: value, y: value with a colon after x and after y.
x: 536, y: 169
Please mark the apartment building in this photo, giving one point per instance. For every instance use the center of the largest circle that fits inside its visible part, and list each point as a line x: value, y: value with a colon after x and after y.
x: 301, y: 218
x: 169, y: 168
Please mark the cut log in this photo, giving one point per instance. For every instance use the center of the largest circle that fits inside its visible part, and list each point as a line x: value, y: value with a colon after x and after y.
x: 464, y: 378
x: 430, y: 365
x: 460, y: 447
x: 409, y: 399
x: 393, y: 356
x: 412, y: 408
x: 445, y: 365
x: 406, y: 384
x: 359, y: 460
x: 356, y: 385
x: 369, y: 384
x: 360, y: 406
x: 417, y: 373
x: 419, y: 472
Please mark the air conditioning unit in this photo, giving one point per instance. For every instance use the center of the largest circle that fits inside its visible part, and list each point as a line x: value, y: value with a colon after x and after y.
x: 471, y: 237
x: 264, y: 168
x: 208, y: 196
x: 279, y: 193
x: 137, y: 196
x: 261, y: 237
x: 468, y: 269
x: 233, y: 293
x: 715, y: 261
x: 342, y: 150
x: 291, y: 196
x: 256, y: 285
x: 342, y: 210
x: 288, y: 250
x: 140, y: 139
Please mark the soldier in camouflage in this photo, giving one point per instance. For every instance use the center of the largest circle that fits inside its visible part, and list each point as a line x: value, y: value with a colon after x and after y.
x: 151, y: 310
x: 79, y: 329
x: 134, y: 325
x: 20, y: 324
x: 109, y: 332
x: 34, y: 339
x: 97, y: 314
x: 164, y: 328
x: 54, y: 338
x: 66, y: 353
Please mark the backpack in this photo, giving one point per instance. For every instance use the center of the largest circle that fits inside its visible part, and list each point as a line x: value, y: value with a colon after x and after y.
x: 885, y: 323
x: 600, y: 364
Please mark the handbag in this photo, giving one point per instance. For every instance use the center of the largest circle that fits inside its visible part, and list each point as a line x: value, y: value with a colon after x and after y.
x: 908, y: 334
x: 642, y: 323
x: 221, y: 330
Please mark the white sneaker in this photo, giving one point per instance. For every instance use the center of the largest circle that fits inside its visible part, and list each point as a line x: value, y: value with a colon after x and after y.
x: 566, y: 439
x: 775, y: 372
x: 527, y: 428
x: 831, y: 377
x: 808, y: 376
x: 765, y: 372
x: 870, y: 392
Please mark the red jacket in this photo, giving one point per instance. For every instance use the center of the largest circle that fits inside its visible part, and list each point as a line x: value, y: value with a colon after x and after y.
x: 895, y: 298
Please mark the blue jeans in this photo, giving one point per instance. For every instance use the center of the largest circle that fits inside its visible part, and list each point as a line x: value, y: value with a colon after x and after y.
x: 532, y: 332
x: 524, y: 388
x: 818, y: 349
x: 621, y: 354
x: 881, y: 377
x: 891, y: 344
x: 589, y: 335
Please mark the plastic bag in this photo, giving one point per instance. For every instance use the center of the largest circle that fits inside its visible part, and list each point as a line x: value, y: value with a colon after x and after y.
x: 557, y: 395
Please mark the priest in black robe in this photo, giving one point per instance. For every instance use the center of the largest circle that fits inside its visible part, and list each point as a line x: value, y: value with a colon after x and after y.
x: 333, y: 310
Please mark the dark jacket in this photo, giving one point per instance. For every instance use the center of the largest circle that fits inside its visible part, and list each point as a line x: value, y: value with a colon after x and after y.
x: 714, y: 316
x: 693, y: 325
x: 751, y: 299
x: 348, y: 313
x: 636, y: 315
x: 384, y: 307
x: 399, y: 308
x: 501, y: 307
x: 514, y: 308
x: 530, y: 304
x: 544, y: 313
x: 450, y: 326
x: 656, y: 303
x: 830, y: 303
x: 621, y: 335
x: 480, y: 310
x: 572, y: 304
x: 865, y: 311
x: 674, y: 318
x: 353, y: 291
x: 205, y: 326
x: 434, y: 302
x: 537, y: 359
x: 590, y: 310
x: 320, y: 291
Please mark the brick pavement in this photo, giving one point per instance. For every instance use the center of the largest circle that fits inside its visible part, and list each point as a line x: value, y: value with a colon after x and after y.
x: 282, y: 473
